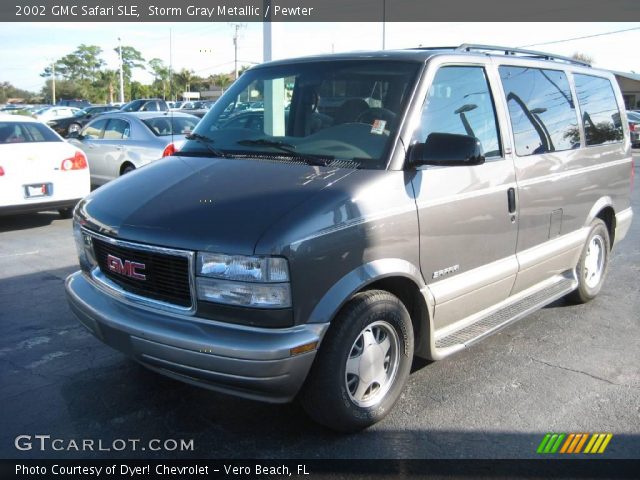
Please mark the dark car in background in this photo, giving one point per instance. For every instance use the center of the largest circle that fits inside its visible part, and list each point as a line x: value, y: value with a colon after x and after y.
x: 146, y: 105
x: 68, y: 125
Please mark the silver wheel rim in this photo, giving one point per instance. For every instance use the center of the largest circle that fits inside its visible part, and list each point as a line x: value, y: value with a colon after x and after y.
x: 74, y: 128
x: 594, y: 261
x: 372, y: 364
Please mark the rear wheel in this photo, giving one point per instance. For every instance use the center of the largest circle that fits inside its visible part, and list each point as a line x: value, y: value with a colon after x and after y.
x: 127, y: 168
x: 362, y: 365
x: 592, y: 266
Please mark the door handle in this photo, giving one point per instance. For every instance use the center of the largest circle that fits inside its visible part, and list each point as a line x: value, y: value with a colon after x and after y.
x: 511, y: 200
x: 120, y: 148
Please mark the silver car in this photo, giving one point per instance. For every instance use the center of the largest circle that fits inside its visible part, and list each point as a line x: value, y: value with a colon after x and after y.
x: 119, y: 142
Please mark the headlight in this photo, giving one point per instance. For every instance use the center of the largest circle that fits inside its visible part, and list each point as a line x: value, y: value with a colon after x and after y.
x: 84, y: 248
x: 258, y: 282
x: 242, y: 268
x: 244, y: 294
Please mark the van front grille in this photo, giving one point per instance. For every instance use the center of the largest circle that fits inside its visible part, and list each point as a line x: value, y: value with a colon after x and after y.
x: 166, y: 276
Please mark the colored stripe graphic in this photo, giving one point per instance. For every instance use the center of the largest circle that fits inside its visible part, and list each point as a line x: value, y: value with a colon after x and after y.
x: 574, y: 442
x: 582, y: 442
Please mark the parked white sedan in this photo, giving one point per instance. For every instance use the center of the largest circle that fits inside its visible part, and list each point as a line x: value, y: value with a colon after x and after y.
x: 38, y: 169
x: 54, y: 113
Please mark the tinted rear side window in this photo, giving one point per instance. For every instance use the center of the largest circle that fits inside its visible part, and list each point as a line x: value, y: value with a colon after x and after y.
x: 26, y: 132
x: 600, y: 114
x: 542, y: 111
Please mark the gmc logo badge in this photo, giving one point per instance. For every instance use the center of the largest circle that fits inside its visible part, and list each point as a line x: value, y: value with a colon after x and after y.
x: 128, y: 268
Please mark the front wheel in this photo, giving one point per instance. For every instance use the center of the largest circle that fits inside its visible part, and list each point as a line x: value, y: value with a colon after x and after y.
x: 362, y: 365
x: 593, y: 263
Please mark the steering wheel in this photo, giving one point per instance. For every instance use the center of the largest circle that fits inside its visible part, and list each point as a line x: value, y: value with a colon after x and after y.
x: 375, y: 113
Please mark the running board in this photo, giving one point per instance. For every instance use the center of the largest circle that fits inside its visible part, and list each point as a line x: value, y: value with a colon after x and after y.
x: 509, y: 312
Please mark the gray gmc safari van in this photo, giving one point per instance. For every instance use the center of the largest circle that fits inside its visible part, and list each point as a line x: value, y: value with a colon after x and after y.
x: 332, y: 217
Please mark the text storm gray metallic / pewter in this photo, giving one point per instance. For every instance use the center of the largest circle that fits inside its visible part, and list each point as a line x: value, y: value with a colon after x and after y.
x: 337, y: 188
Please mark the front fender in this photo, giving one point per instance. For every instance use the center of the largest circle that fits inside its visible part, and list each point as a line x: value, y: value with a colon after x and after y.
x: 359, y: 278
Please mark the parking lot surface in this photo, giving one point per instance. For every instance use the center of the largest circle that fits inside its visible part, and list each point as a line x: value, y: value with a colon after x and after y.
x: 563, y: 369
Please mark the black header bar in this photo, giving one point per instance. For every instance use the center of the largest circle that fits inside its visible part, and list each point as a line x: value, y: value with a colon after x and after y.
x: 318, y: 10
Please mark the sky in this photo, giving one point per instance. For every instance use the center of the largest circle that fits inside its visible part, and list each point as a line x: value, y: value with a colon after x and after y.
x: 207, y: 48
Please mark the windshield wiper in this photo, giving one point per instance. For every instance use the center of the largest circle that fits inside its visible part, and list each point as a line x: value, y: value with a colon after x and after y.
x: 308, y: 158
x: 208, y: 142
x: 263, y: 142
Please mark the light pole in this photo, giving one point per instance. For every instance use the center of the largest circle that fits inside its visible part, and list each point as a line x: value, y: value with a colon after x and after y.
x: 384, y: 24
x: 121, y: 74
x: 53, y: 83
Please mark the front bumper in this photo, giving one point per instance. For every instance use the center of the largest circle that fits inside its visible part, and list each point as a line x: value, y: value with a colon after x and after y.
x: 245, y: 361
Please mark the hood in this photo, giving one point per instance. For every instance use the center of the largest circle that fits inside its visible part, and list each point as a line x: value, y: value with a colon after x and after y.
x: 207, y: 204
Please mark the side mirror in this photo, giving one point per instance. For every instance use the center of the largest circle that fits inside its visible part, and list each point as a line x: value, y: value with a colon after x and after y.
x: 447, y: 149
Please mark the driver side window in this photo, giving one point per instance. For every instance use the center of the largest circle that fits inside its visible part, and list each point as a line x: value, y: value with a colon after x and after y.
x: 460, y: 102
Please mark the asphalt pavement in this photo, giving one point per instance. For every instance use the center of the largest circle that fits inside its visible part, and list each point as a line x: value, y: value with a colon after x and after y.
x: 565, y: 368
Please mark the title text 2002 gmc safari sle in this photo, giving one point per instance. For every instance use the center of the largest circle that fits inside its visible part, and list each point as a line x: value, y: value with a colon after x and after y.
x: 331, y: 217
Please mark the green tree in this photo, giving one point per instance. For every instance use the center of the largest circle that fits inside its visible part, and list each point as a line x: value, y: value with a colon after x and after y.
x: 182, y: 80
x: 161, y: 76
x: 7, y: 91
x: 83, y: 64
x: 583, y: 57
x: 138, y: 90
x: 106, y: 85
x: 64, y: 89
x: 131, y: 59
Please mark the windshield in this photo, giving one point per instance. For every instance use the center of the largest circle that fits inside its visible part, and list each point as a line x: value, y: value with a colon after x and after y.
x: 132, y: 106
x: 336, y: 110
x: 80, y: 113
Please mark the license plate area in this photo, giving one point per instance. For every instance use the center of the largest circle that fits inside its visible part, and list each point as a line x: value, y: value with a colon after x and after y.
x: 36, y: 190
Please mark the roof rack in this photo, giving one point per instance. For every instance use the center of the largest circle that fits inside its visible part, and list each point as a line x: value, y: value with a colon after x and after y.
x: 468, y: 47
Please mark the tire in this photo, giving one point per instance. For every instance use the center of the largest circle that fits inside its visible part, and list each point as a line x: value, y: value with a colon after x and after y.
x: 592, y: 266
x: 375, y: 328
x: 127, y: 168
x: 66, y: 212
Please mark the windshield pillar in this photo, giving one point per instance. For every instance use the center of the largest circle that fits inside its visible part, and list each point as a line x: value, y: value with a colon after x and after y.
x: 274, y: 107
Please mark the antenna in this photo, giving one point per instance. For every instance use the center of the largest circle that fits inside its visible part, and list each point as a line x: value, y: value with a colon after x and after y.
x: 171, y: 78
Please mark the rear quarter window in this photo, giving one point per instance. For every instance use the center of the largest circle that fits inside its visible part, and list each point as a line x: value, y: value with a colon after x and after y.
x: 26, y: 132
x: 599, y: 109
